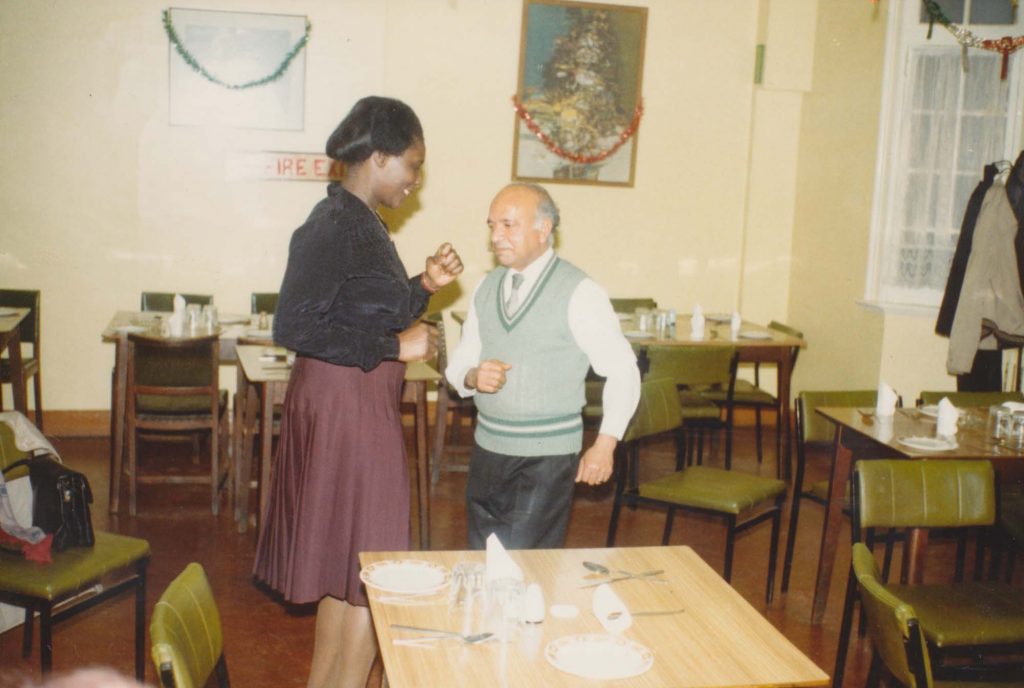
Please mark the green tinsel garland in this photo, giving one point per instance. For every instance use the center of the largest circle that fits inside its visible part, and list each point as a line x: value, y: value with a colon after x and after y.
x: 191, y: 61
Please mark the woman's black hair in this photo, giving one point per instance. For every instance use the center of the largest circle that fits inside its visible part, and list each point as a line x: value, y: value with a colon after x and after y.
x: 374, y: 124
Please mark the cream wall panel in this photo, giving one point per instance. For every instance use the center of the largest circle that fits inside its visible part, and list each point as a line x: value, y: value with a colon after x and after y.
x: 839, y: 127
x: 790, y: 33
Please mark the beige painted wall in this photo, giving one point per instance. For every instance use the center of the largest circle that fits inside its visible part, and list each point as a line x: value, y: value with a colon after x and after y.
x: 838, y: 128
x: 743, y: 194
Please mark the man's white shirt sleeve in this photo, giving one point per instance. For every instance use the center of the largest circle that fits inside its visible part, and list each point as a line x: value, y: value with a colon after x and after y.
x: 596, y: 328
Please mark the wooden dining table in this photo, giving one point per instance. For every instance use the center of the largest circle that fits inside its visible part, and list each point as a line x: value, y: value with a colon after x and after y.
x: 231, y: 328
x: 10, y: 338
x: 718, y: 641
x: 755, y: 344
x: 861, y: 434
x: 262, y: 382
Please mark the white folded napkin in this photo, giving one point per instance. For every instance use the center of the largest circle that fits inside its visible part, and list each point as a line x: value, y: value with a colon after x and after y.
x: 886, y: 405
x: 734, y: 324
x: 945, y: 424
x: 697, y: 323
x: 1013, y: 406
x: 607, y: 602
x: 176, y: 323
x: 499, y: 563
x: 179, y: 303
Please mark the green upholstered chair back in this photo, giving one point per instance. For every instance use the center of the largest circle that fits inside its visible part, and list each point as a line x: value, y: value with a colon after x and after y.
x: 29, y: 328
x: 9, y: 453
x: 163, y: 370
x: 658, y: 411
x: 900, y: 493
x: 969, y: 399
x: 164, y: 300
x: 185, y: 631
x: 630, y: 305
x: 263, y: 302
x: 813, y: 427
x: 890, y: 622
x: 693, y: 366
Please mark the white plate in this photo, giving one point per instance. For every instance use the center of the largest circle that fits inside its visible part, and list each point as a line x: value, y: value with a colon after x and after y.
x: 624, y: 316
x: 753, y: 334
x: 262, y: 334
x: 4, y: 312
x: 130, y: 328
x: 718, y: 317
x: 931, y: 410
x: 637, y: 334
x: 228, y: 319
x: 599, y: 656
x: 928, y: 443
x: 407, y: 576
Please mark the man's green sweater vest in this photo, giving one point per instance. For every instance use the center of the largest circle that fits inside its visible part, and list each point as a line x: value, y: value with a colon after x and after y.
x: 537, y: 412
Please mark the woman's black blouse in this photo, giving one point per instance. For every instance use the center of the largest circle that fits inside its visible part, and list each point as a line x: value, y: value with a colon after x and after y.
x: 345, y: 295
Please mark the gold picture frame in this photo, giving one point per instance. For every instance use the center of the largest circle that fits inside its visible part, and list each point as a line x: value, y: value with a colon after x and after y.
x: 578, y: 102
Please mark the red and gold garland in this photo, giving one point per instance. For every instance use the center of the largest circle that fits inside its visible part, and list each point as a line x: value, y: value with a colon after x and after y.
x: 577, y: 158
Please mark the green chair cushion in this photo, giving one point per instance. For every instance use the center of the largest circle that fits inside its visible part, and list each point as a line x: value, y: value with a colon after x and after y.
x: 695, y: 406
x: 744, y: 394
x: 72, y: 569
x: 966, y: 614
x: 163, y: 405
x: 714, y: 489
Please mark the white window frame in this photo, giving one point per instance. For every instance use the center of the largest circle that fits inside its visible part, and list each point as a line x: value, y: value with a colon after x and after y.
x: 905, y: 31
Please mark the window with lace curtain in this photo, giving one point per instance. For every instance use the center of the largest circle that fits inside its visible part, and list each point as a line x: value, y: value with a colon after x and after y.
x: 946, y: 114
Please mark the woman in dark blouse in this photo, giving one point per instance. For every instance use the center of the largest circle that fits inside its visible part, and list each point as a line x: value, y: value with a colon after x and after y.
x: 349, y: 311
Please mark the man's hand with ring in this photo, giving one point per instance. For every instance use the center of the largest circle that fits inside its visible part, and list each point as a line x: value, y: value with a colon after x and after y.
x: 597, y: 462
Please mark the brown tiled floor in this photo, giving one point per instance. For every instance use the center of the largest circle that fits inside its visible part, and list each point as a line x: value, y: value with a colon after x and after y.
x: 270, y: 645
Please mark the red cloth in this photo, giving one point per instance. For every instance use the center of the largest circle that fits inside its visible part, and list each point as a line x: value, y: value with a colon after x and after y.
x: 39, y: 552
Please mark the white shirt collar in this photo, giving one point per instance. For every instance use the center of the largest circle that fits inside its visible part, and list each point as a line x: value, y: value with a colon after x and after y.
x: 531, y: 273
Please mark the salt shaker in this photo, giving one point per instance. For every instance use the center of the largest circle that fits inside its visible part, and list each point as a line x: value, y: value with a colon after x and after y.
x: 534, y: 607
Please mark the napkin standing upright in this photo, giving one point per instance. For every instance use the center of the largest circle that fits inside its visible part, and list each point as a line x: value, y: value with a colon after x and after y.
x: 886, y: 404
x: 499, y: 563
x: 734, y: 325
x: 697, y: 323
x: 176, y: 323
x: 945, y: 423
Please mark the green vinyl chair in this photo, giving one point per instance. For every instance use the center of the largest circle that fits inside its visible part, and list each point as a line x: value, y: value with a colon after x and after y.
x: 750, y: 395
x: 76, y: 580
x: 957, y: 618
x: 969, y: 399
x: 164, y: 300
x: 628, y: 305
x: 263, y: 302
x: 697, y: 371
x: 895, y: 631
x: 741, y: 499
x: 187, y: 642
x: 815, y: 431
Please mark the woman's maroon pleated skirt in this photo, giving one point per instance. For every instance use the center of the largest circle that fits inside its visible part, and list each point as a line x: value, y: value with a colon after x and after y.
x: 340, y: 483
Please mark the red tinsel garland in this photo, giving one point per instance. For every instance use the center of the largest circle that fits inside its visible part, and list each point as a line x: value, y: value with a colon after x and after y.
x: 576, y: 158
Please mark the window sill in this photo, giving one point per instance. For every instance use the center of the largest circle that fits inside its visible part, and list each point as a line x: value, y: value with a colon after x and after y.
x: 904, y: 309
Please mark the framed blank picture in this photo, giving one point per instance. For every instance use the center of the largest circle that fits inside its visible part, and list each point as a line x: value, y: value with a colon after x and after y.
x: 220, y: 64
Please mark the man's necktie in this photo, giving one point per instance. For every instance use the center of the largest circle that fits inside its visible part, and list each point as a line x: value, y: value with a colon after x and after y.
x: 512, y: 304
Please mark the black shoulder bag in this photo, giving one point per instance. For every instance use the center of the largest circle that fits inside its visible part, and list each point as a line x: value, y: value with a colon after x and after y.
x: 60, y: 501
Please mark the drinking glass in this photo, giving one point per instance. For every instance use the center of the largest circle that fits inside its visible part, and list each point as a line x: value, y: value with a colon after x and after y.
x: 193, y: 316
x: 1016, y: 437
x: 503, y: 607
x: 210, y: 317
x: 465, y: 593
x: 642, y: 319
x: 998, y: 428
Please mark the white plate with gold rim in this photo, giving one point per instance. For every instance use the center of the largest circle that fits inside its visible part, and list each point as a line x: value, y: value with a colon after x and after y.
x: 598, y: 656
x: 405, y: 576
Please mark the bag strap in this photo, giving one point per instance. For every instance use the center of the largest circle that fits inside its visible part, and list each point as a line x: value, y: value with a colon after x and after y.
x: 16, y: 464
